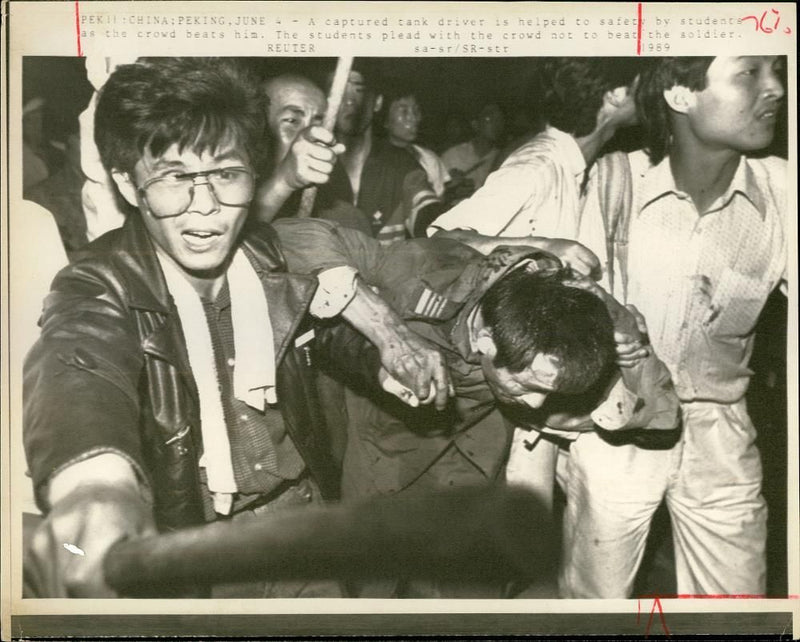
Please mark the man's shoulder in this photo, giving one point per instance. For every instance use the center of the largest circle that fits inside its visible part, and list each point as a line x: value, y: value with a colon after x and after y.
x: 770, y: 168
x: 771, y: 176
x: 458, y: 151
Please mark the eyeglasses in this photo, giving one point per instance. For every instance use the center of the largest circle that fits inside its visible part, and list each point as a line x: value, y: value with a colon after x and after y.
x: 172, y: 194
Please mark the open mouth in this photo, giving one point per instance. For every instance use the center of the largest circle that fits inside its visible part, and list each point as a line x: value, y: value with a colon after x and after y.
x: 200, y: 239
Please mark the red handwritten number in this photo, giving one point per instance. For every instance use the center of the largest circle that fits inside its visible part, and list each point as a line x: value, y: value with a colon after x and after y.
x: 760, y: 23
x: 78, y: 26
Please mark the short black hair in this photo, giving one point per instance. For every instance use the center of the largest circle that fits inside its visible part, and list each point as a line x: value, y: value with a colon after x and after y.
x: 534, y: 312
x: 396, y: 89
x: 196, y: 103
x: 659, y: 75
x: 573, y: 89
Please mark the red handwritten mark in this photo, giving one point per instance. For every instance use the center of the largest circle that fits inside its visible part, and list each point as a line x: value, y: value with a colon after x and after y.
x: 639, y: 29
x: 656, y: 603
x: 760, y: 25
x: 706, y: 596
x: 78, y: 26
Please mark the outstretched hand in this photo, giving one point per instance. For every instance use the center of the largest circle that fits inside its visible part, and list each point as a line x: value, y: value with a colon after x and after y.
x: 65, y: 557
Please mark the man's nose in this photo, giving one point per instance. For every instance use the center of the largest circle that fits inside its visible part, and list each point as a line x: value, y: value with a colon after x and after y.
x: 204, y: 201
x: 773, y: 85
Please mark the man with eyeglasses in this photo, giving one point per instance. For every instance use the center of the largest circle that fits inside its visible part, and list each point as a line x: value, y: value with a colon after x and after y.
x: 172, y: 382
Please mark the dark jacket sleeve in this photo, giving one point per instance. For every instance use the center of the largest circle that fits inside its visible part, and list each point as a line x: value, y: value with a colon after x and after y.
x: 80, y: 393
x: 312, y: 245
x: 346, y: 355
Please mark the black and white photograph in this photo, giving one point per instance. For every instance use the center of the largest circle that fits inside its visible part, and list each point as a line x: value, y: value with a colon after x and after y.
x: 345, y: 341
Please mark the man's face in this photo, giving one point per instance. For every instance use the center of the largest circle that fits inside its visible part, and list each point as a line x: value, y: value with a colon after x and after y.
x: 529, y: 387
x: 739, y: 106
x: 358, y: 106
x: 294, y: 104
x: 402, y: 121
x: 204, y: 235
x: 490, y: 123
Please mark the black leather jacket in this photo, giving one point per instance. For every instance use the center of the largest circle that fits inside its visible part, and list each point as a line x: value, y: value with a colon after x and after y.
x: 110, y: 372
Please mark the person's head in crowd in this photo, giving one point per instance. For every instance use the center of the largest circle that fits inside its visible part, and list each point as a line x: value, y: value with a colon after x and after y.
x: 488, y: 124
x: 455, y: 129
x: 403, y: 114
x: 521, y: 121
x: 724, y: 103
x: 294, y: 103
x: 537, y: 335
x: 182, y: 139
x: 578, y: 90
x: 362, y: 99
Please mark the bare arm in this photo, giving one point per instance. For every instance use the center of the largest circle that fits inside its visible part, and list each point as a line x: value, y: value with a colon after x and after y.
x: 310, y: 161
x: 412, y: 361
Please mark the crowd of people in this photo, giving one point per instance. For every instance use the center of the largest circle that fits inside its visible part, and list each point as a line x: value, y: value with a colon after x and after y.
x: 538, y: 311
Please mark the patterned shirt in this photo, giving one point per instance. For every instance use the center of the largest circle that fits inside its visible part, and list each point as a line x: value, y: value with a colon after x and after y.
x: 701, y: 280
x: 263, y: 453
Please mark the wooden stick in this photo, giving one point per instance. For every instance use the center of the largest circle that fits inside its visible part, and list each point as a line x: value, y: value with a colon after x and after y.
x: 340, y: 76
x: 466, y: 533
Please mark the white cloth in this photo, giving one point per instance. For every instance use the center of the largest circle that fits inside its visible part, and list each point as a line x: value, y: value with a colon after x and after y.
x: 337, y: 287
x: 254, y: 372
x: 535, y: 192
x: 434, y: 167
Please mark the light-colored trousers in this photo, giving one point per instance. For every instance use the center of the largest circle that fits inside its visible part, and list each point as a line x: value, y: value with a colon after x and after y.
x: 711, y: 482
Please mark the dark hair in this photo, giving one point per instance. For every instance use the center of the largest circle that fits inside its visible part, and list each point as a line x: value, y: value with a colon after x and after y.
x: 573, y: 89
x: 476, y: 110
x: 196, y: 103
x: 396, y: 89
x: 658, y: 76
x: 532, y: 313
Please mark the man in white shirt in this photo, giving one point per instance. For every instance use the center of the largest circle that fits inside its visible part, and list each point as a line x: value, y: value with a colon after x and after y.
x: 707, y: 244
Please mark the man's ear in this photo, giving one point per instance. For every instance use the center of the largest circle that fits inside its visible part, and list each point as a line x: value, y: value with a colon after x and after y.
x: 484, y: 342
x: 679, y: 98
x: 125, y: 186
